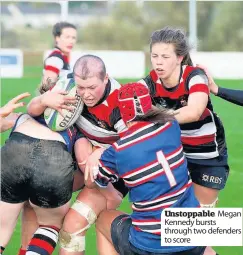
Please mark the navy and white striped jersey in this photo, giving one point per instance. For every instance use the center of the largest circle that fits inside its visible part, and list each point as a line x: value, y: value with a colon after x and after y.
x: 149, y: 158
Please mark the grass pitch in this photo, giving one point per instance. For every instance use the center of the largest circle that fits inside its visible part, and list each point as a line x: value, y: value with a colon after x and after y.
x: 231, y: 115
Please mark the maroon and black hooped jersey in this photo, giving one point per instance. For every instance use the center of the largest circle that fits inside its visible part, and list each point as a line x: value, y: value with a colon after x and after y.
x: 102, y: 123
x: 202, y: 139
x: 57, y: 62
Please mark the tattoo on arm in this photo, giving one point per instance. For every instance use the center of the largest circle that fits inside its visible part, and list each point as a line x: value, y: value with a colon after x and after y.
x: 46, y: 85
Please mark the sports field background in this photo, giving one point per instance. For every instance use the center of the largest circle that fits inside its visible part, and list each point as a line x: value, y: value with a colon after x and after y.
x: 231, y: 115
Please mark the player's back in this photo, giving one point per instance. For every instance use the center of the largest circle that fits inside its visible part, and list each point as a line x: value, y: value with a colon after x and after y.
x: 151, y: 161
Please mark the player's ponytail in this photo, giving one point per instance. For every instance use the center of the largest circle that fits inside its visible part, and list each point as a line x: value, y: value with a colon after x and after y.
x: 157, y: 115
x: 187, y: 60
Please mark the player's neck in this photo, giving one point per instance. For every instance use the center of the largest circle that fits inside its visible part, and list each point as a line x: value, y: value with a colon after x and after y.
x: 173, y: 79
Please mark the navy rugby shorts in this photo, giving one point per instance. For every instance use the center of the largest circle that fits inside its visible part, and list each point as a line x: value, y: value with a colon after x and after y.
x: 120, y: 228
x: 213, y: 177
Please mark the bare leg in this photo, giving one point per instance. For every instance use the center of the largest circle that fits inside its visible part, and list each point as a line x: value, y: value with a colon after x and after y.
x: 209, y: 251
x: 29, y: 225
x: 75, y: 222
x: 50, y: 221
x: 8, y: 219
x: 51, y: 216
x: 103, y: 230
x: 205, y: 195
x: 78, y: 181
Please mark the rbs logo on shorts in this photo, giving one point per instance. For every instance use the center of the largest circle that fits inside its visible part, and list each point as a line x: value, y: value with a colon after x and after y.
x: 212, y: 179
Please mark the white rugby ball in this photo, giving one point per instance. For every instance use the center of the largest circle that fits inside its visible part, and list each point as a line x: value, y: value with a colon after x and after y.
x: 54, y: 120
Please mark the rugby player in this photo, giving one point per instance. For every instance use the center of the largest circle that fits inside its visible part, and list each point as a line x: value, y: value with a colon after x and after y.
x: 149, y: 158
x: 175, y: 84
x: 100, y: 124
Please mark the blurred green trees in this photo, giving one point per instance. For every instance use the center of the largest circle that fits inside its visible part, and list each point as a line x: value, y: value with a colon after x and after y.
x: 128, y: 26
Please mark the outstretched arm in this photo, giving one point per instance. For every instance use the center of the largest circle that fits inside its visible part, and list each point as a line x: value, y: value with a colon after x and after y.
x: 13, y: 104
x: 7, y: 117
x: 232, y: 95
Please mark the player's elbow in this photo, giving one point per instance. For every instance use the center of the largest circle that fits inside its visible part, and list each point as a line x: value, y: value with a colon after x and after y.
x: 195, y: 114
x: 34, y: 108
x: 31, y: 110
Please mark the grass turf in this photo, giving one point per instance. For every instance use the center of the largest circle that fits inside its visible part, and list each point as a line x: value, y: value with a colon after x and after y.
x: 230, y: 114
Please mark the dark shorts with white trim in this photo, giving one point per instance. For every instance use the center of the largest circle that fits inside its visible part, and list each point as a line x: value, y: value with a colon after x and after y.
x: 37, y: 170
x: 214, y: 177
x: 120, y: 229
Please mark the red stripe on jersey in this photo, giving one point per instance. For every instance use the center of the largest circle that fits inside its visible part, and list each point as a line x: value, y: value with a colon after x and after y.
x: 52, y: 68
x: 205, y: 114
x: 137, y: 229
x: 138, y: 169
x: 198, y: 140
x: 105, y: 140
x: 65, y: 58
x: 149, y: 220
x: 147, y: 179
x: 154, y: 209
x: 173, y: 152
x: 104, y: 110
x: 169, y: 194
x: 181, y: 161
x: 121, y: 147
x: 199, y: 88
x: 150, y: 163
x: 42, y: 244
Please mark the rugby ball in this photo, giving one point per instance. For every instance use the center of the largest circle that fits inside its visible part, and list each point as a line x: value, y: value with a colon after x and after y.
x: 54, y: 120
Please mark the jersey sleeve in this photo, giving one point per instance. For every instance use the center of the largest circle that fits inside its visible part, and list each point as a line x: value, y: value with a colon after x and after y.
x: 54, y: 63
x: 231, y: 95
x: 198, y: 82
x: 107, y: 168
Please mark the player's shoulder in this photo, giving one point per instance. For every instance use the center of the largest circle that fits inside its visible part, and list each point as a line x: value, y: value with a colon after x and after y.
x: 194, y: 75
x: 114, y: 87
x: 191, y: 71
x: 56, y: 53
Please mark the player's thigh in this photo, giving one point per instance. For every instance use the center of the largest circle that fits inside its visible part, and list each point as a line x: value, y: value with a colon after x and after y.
x: 15, y: 172
x: 51, y: 216
x: 208, y: 181
x: 213, y: 177
x: 82, y: 148
x: 115, y: 226
x: 93, y: 198
x: 78, y: 180
x: 9, y: 213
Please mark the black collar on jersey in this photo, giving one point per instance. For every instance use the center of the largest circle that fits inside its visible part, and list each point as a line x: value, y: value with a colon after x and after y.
x: 173, y: 88
x: 57, y: 48
x: 106, y: 93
